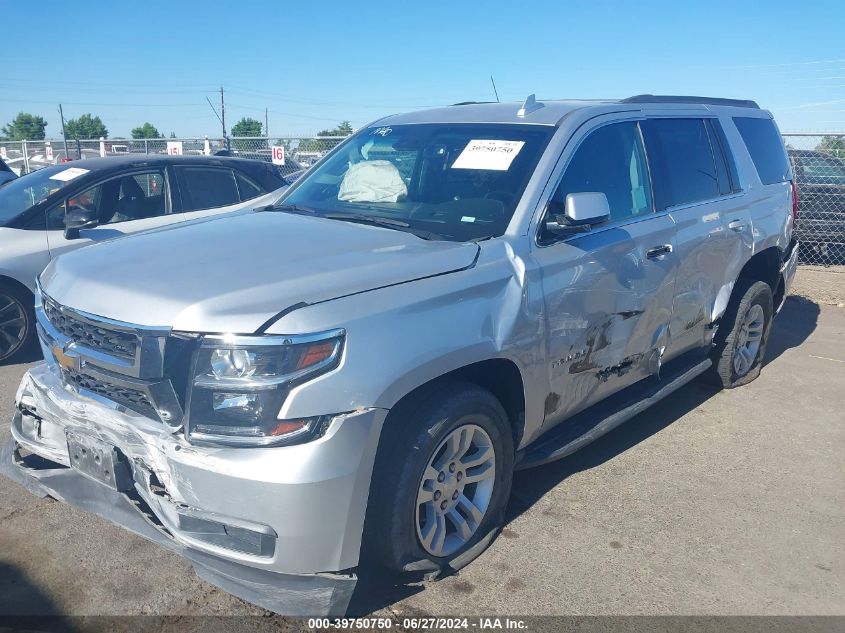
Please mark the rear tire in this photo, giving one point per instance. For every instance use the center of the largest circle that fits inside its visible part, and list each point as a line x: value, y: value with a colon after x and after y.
x: 740, y: 345
x: 17, y: 322
x: 442, y: 480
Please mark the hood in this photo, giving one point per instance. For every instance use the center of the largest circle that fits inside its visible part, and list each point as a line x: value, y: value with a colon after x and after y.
x: 234, y: 273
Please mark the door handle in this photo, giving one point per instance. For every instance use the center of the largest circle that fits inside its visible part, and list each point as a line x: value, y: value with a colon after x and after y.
x: 657, y: 252
x: 736, y: 225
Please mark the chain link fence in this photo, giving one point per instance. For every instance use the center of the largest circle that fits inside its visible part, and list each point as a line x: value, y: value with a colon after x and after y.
x: 818, y: 162
x: 292, y: 154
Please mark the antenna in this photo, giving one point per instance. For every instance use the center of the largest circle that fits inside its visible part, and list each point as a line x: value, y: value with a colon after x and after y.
x: 496, y: 92
x: 531, y: 104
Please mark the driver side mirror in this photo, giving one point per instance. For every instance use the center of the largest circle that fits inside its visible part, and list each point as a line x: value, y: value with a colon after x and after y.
x: 579, y: 214
x: 78, y: 219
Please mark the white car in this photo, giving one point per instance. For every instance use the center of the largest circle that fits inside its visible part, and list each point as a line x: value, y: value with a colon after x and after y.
x: 64, y: 207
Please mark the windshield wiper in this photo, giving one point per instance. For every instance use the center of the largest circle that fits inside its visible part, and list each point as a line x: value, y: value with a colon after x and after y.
x: 367, y: 219
x: 291, y: 208
x: 387, y: 223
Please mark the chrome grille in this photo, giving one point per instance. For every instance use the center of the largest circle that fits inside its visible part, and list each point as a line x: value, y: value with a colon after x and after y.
x: 96, y: 337
x: 127, y: 397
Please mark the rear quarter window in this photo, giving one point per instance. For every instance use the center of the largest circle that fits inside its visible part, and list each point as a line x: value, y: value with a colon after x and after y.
x: 765, y: 146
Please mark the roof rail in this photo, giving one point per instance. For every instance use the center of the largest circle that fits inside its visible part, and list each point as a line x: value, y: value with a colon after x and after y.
x: 460, y: 103
x: 739, y: 103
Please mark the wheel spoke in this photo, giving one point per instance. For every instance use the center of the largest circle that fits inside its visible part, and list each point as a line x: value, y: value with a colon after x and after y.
x: 14, y: 321
x: 480, y: 456
x: 439, y: 536
x: 460, y: 523
x: 479, y: 473
x: 474, y: 515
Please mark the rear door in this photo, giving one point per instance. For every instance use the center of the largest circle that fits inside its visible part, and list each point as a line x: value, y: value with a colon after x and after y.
x: 205, y: 190
x: 608, y: 293
x: 693, y: 182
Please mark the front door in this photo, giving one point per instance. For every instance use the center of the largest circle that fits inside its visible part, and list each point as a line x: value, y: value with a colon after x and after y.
x: 608, y: 293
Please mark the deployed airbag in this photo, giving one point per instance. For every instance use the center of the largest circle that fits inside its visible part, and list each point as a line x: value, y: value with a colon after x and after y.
x: 373, y: 181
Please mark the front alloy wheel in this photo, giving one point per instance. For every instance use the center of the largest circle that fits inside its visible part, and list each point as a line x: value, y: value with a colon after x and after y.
x: 455, y: 490
x: 14, y: 325
x: 441, y: 481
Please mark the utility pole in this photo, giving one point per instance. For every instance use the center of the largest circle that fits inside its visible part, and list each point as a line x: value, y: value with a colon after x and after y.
x: 64, y: 136
x: 223, y: 117
x: 266, y: 125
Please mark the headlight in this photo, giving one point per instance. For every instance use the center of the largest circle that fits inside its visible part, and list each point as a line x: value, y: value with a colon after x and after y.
x: 240, y: 383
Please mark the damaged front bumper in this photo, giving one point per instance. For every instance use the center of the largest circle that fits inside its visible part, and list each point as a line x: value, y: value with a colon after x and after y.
x: 279, y: 527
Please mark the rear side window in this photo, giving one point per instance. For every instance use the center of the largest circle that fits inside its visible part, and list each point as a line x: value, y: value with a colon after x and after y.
x: 682, y: 166
x: 766, y: 148
x: 247, y: 187
x: 207, y: 187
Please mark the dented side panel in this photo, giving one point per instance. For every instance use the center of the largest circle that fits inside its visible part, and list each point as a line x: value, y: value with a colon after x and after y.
x: 607, y: 308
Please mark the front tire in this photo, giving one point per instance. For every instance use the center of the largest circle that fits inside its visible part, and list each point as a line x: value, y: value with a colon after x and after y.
x: 742, y: 335
x: 17, y: 322
x: 442, y: 480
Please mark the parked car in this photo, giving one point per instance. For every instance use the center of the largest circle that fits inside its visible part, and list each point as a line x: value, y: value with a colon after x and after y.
x: 820, y: 178
x: 450, y: 295
x: 63, y: 207
x: 290, y: 171
x: 6, y: 173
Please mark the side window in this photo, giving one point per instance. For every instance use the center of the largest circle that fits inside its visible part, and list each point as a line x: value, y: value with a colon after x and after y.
x: 682, y: 164
x: 207, y: 187
x: 766, y: 148
x: 131, y: 197
x: 247, y: 188
x: 611, y: 161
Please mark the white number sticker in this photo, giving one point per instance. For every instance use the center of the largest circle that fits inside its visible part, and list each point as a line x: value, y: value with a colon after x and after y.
x: 488, y: 154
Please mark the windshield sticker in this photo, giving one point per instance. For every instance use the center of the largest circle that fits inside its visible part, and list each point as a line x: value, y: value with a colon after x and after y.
x: 467, y: 218
x: 69, y: 174
x: 382, y: 131
x: 488, y: 154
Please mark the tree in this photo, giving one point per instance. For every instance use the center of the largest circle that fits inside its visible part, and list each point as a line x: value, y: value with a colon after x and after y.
x: 344, y: 129
x: 148, y: 130
x: 25, y: 127
x: 315, y: 145
x: 247, y: 127
x: 86, y: 126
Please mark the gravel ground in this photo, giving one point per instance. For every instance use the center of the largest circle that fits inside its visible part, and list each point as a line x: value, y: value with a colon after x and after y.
x: 709, y: 503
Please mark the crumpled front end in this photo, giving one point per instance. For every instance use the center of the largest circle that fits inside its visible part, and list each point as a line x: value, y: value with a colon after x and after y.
x: 280, y: 527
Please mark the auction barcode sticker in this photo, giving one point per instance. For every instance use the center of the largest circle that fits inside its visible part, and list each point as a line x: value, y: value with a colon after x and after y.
x: 488, y: 154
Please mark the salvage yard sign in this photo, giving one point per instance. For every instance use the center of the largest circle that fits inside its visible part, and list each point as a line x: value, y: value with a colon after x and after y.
x: 278, y: 155
x: 174, y: 148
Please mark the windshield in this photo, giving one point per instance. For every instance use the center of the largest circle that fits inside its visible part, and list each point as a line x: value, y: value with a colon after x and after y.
x: 445, y: 181
x: 27, y: 191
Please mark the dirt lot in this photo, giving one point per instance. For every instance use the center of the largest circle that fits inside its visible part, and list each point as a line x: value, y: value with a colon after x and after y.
x: 709, y: 503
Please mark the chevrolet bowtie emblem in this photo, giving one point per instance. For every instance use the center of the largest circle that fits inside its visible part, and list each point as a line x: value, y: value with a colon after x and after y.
x: 65, y: 360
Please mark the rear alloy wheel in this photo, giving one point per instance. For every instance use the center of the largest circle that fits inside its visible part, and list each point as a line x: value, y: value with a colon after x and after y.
x: 15, y: 323
x: 749, y: 339
x: 740, y: 344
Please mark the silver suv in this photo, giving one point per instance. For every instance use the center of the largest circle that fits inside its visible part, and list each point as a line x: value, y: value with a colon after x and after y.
x: 448, y: 296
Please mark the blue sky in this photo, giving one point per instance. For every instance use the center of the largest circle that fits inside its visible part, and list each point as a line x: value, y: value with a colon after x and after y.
x: 313, y: 64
